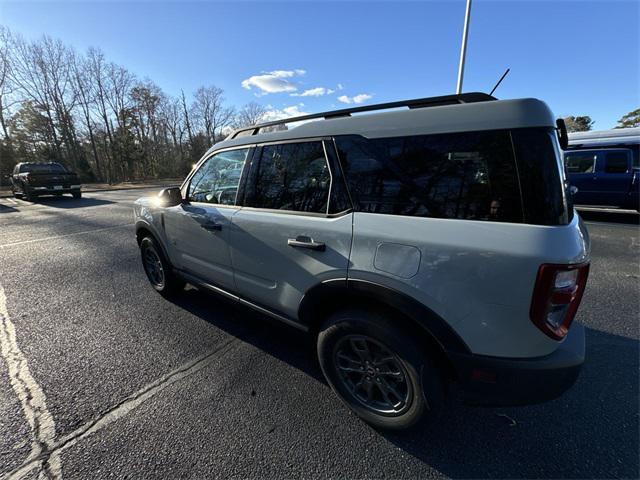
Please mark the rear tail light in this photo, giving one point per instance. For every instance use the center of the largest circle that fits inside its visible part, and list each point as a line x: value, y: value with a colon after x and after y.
x: 556, y: 297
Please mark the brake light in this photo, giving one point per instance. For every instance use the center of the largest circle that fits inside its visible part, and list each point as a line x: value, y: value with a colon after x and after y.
x: 556, y: 297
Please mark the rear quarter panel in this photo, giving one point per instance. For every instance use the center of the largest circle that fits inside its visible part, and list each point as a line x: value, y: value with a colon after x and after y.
x: 478, y: 276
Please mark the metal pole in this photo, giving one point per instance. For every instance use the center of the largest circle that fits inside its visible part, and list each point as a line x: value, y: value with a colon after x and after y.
x: 463, y: 49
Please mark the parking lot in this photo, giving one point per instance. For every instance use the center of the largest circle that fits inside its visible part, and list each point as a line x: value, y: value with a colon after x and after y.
x: 102, y: 377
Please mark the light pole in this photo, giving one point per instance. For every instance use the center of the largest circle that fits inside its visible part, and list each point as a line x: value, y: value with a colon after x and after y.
x: 463, y: 48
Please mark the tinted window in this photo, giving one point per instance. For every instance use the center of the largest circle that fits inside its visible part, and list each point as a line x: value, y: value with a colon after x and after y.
x: 293, y: 176
x: 462, y: 175
x: 42, y: 168
x: 580, y: 162
x: 542, y: 182
x: 616, y: 162
x: 217, y: 179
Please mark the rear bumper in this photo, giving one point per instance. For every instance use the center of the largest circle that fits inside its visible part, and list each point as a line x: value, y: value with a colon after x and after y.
x: 514, y: 381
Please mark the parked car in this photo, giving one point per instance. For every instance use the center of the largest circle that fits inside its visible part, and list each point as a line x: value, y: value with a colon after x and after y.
x: 420, y: 247
x: 31, y: 180
x: 605, y: 167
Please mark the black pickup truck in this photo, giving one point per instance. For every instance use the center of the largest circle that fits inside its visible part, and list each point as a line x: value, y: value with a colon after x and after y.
x: 30, y: 180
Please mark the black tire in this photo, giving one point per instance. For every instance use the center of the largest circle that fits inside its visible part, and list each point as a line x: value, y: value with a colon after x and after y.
x: 77, y: 194
x: 409, y: 374
x: 162, y: 277
x: 27, y: 195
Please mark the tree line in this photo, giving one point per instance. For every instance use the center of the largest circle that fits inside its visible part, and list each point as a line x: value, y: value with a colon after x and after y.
x: 98, y: 118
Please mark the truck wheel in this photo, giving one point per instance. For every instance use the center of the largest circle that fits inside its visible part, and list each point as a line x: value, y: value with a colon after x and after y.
x: 378, y: 369
x: 158, y: 270
x: 77, y: 194
x: 27, y: 195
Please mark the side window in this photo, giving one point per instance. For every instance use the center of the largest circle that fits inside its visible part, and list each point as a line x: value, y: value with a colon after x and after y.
x: 466, y: 176
x: 217, y: 179
x: 616, y: 161
x: 580, y: 162
x: 291, y: 176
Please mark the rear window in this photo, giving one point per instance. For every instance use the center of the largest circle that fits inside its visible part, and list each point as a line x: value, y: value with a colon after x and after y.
x: 42, y: 168
x: 542, y: 179
x: 463, y: 175
x: 616, y: 161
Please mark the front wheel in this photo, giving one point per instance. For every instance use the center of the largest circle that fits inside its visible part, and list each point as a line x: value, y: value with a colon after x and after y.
x: 158, y: 269
x: 378, y: 369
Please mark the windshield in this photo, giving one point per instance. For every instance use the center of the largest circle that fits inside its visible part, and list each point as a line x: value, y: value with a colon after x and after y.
x: 42, y: 168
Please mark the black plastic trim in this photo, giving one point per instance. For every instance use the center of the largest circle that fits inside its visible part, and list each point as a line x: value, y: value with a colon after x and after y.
x: 431, y: 322
x: 497, y: 381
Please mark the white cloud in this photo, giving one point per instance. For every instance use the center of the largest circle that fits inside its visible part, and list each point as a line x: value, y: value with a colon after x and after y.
x: 314, y: 92
x: 362, y: 97
x: 286, y: 112
x: 273, y: 82
x: 340, y: 87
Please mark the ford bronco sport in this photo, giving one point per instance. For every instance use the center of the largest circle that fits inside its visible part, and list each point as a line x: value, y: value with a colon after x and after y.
x: 421, y: 247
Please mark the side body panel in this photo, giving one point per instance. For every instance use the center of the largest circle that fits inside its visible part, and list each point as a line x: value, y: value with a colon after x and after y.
x: 478, y: 276
x: 198, y: 236
x: 273, y: 274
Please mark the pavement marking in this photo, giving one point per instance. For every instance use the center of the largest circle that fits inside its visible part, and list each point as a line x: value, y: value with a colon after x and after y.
x: 31, y: 396
x: 123, y: 408
x: 65, y: 235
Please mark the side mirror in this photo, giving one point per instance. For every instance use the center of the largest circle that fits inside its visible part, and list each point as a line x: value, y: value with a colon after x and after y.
x: 170, y: 197
x: 563, y: 136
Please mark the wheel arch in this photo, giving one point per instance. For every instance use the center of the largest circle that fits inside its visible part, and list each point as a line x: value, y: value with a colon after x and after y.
x: 144, y: 229
x: 432, y: 330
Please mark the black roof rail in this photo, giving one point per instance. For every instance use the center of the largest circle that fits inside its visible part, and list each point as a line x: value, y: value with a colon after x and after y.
x: 471, y: 97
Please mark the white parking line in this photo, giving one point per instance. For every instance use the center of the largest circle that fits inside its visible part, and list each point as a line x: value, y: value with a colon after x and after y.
x: 123, y: 408
x: 65, y: 235
x: 31, y: 396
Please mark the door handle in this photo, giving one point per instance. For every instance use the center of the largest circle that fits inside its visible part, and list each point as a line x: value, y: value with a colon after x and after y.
x: 302, y: 241
x: 212, y: 226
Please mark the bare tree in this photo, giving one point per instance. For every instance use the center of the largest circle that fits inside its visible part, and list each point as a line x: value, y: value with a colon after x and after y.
x: 210, y: 113
x: 251, y: 114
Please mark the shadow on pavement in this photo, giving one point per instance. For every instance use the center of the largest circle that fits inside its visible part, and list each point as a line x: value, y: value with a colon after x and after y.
x: 7, y: 209
x: 611, y: 216
x: 589, y: 432
x: 68, y: 202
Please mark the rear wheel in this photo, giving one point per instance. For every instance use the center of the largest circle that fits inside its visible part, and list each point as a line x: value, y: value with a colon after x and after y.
x: 378, y: 369
x: 158, y: 269
x: 77, y: 194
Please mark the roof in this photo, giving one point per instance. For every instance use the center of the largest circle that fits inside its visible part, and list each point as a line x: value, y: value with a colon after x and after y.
x: 482, y: 115
x: 616, y: 136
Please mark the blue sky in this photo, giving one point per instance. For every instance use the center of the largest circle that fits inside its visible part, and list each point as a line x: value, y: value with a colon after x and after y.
x: 581, y: 57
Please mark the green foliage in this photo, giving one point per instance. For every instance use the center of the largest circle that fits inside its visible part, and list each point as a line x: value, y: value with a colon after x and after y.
x: 631, y: 119
x: 578, y: 124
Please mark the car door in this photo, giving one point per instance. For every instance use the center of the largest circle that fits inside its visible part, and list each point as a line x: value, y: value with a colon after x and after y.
x: 613, y: 176
x: 581, y: 172
x: 198, y: 230
x: 295, y: 227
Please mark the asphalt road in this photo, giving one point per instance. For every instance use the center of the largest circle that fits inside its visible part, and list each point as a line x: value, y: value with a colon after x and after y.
x: 100, y: 377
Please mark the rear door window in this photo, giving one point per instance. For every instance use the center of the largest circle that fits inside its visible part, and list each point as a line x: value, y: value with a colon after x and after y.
x: 293, y: 177
x: 469, y: 175
x: 616, y: 161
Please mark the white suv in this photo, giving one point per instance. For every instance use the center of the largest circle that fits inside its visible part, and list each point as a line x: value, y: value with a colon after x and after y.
x: 421, y: 247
